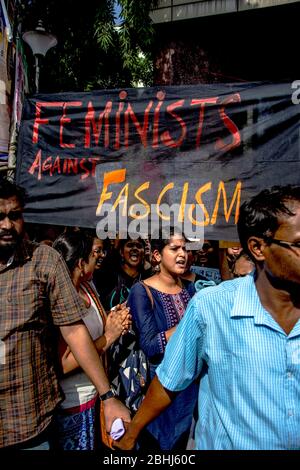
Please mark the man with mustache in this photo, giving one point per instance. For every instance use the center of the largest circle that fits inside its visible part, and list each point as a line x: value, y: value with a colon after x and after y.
x: 37, y: 296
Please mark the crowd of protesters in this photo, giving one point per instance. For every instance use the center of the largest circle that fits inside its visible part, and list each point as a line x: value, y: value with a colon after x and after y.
x: 80, y: 314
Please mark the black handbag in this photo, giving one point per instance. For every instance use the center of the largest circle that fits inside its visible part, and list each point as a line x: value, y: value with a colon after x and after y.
x: 130, y: 371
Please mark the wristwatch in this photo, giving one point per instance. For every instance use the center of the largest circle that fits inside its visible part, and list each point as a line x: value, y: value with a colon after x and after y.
x: 110, y: 394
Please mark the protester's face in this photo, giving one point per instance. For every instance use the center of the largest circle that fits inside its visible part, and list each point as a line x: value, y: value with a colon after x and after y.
x: 205, y: 252
x: 114, y: 243
x: 98, y: 252
x: 233, y: 252
x: 173, y: 257
x: 89, y: 268
x: 11, y: 223
x: 280, y: 261
x: 242, y: 267
x: 147, y: 250
x: 133, y: 253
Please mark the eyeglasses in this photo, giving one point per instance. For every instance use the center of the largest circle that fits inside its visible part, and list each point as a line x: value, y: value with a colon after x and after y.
x: 283, y: 243
x: 100, y: 251
x: 12, y: 215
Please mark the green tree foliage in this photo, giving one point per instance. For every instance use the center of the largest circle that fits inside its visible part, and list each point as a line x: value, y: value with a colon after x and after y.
x: 95, y: 49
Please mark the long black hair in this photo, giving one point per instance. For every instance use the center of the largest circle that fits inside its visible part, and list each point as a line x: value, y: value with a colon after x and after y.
x: 74, y: 246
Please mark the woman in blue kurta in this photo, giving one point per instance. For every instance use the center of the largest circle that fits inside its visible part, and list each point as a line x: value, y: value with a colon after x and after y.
x: 154, y: 325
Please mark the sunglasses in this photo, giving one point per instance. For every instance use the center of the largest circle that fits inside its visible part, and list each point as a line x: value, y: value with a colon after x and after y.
x: 206, y: 246
x: 12, y: 215
x: 137, y: 245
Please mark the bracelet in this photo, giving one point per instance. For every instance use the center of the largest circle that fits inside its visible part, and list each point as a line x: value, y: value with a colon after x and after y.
x: 110, y: 394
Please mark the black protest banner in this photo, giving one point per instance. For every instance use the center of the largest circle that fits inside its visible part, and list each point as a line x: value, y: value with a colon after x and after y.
x: 204, y: 148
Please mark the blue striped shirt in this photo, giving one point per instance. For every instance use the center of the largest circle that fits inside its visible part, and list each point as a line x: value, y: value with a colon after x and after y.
x: 249, y: 396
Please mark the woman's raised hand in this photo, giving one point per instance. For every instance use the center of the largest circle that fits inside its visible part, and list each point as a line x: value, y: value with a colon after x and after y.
x: 118, y: 323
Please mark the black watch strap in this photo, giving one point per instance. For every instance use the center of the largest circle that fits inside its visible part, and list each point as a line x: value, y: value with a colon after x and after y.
x: 107, y: 395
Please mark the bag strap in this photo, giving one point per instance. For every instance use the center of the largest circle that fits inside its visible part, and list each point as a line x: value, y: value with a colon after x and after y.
x: 148, y: 293
x: 86, y: 285
x: 116, y: 291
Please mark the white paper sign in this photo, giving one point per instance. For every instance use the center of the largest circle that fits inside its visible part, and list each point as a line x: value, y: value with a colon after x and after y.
x: 2, y: 352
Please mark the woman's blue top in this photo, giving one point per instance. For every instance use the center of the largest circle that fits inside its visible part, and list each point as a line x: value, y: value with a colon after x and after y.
x: 150, y: 325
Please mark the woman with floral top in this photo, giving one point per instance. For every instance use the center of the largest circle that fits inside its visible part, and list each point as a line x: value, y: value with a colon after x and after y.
x: 154, y: 321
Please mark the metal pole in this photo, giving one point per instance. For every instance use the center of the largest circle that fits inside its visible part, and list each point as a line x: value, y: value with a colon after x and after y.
x: 37, y: 73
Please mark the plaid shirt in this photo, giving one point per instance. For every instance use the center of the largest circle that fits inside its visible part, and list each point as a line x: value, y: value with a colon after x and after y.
x: 36, y: 293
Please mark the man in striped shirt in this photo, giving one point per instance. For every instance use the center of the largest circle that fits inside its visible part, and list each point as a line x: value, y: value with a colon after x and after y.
x: 243, y: 339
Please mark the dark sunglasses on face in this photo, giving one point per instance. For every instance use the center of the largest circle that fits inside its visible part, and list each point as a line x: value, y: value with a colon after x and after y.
x: 205, y: 247
x: 12, y: 215
x: 137, y: 245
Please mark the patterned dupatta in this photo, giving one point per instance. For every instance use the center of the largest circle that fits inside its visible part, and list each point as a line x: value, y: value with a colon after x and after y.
x: 105, y: 437
x: 95, y: 297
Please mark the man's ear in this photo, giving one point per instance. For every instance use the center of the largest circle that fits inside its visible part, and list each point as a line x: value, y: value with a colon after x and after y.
x: 256, y: 246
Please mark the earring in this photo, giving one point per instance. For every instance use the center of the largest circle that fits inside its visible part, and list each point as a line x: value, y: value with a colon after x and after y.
x: 157, y: 267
